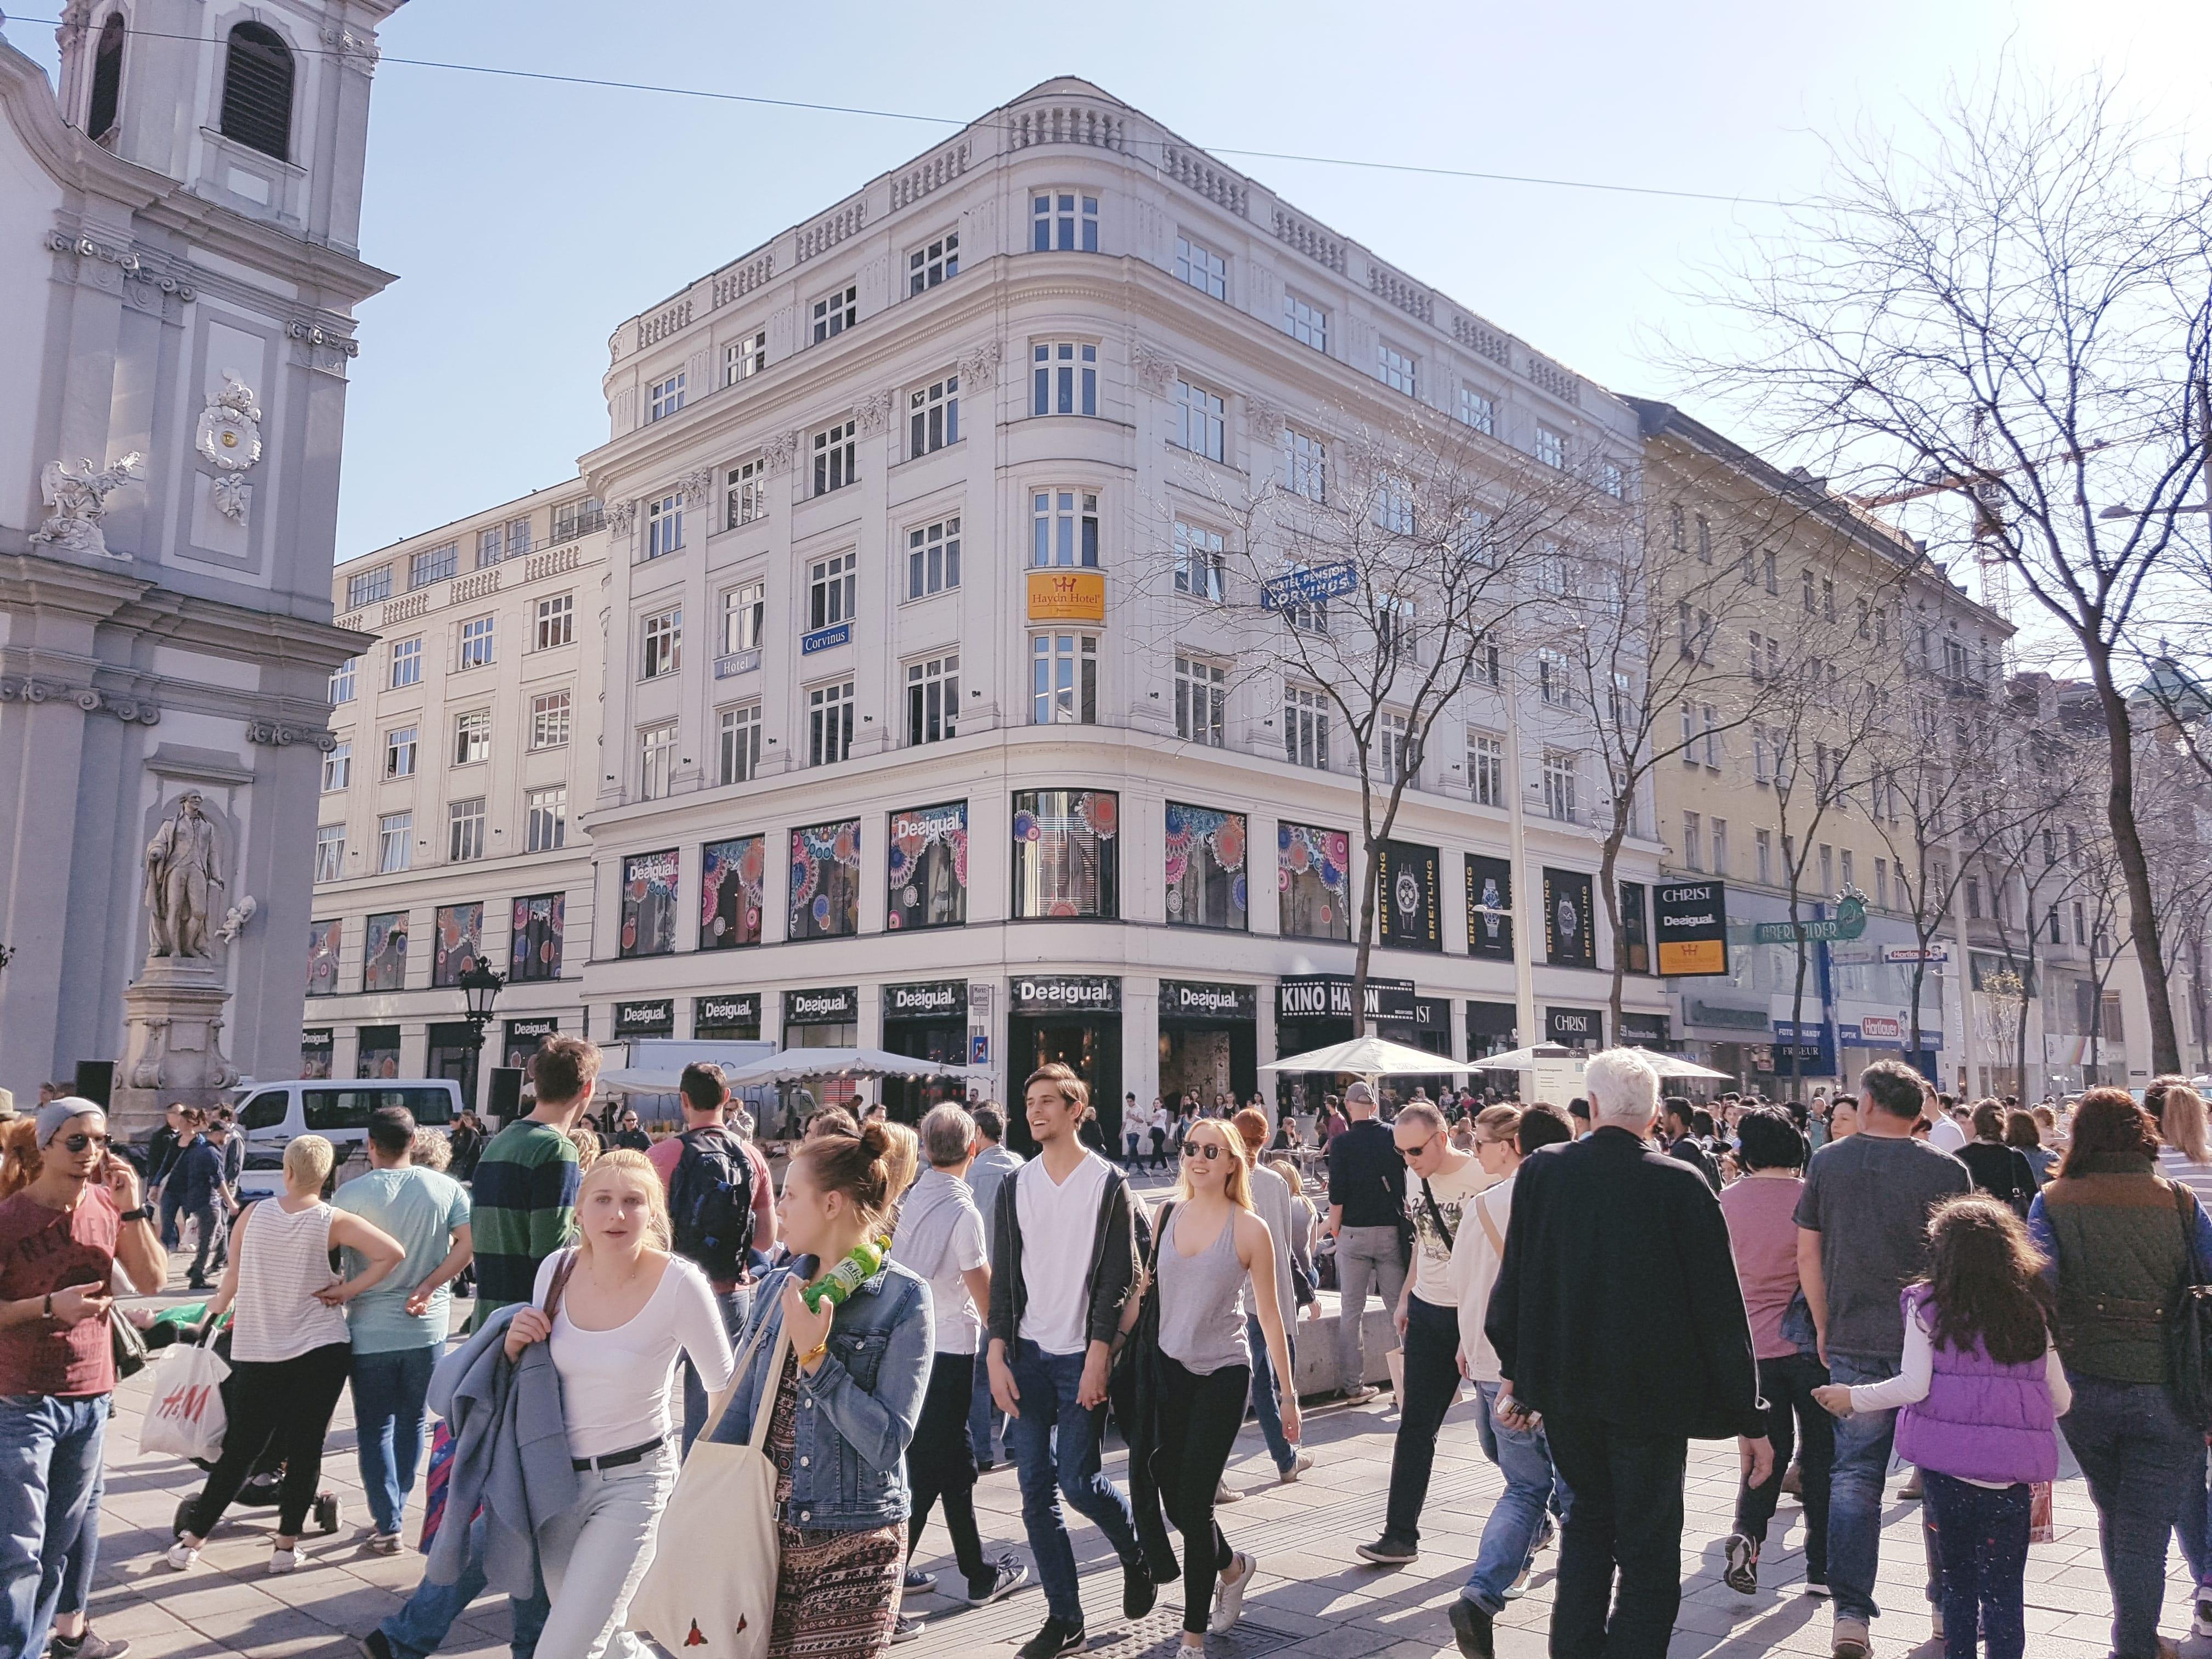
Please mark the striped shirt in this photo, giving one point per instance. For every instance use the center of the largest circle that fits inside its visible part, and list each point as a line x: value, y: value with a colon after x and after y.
x: 524, y: 1193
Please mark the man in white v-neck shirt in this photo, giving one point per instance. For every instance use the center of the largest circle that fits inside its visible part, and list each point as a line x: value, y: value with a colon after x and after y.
x: 1063, y: 1262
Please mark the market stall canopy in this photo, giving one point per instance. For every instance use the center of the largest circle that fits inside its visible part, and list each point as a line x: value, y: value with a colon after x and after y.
x: 1369, y: 1056
x: 793, y: 1064
x: 640, y: 1080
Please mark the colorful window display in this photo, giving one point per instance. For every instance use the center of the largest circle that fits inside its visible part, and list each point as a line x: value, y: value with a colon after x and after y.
x: 458, y: 945
x: 539, y: 921
x: 729, y: 876
x: 383, y: 952
x: 323, y: 959
x: 1065, y: 854
x: 928, y: 867
x: 1205, y: 868
x: 825, y: 880
x: 648, y: 904
x: 1315, y: 876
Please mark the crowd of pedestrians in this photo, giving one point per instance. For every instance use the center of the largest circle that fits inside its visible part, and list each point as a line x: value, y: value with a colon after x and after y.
x: 1892, y: 1275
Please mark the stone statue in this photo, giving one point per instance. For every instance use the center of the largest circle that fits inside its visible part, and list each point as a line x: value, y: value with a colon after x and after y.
x: 235, y: 917
x: 77, y: 502
x: 181, y: 871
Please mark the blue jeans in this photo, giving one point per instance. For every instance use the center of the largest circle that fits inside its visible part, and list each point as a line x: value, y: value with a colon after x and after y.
x: 418, y: 1629
x: 1267, y: 1398
x: 1863, y: 1443
x: 2192, y: 1528
x: 387, y: 1408
x: 50, y: 1452
x: 171, y: 1203
x: 1983, y: 1536
x: 985, y: 1419
x: 1050, y: 1463
x: 736, y: 1307
x: 1532, y: 1486
x: 2140, y: 1460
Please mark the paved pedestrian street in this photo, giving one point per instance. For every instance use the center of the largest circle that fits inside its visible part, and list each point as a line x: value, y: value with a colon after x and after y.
x: 1313, y: 1596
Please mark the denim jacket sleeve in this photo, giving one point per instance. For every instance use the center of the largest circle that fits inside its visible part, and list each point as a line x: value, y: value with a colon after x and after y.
x: 878, y: 1421
x: 2046, y: 1239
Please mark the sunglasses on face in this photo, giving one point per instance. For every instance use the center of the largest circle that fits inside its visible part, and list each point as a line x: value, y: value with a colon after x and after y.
x: 1208, y: 1150
x: 1416, y: 1152
x: 78, y: 1142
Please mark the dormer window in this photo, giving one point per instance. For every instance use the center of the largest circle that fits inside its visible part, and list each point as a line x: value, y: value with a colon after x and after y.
x: 256, y: 91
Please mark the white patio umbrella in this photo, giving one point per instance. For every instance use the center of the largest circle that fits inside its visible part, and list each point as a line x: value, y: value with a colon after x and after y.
x: 1369, y: 1056
x: 640, y: 1080
x: 792, y: 1064
x: 1520, y: 1060
x: 1675, y: 1065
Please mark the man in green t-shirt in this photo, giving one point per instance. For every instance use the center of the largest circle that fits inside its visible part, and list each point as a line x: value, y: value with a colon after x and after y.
x: 525, y: 1181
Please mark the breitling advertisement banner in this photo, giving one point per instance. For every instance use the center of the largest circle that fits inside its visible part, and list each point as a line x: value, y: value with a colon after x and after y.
x: 1409, y: 888
x: 1568, y: 937
x: 1489, y: 908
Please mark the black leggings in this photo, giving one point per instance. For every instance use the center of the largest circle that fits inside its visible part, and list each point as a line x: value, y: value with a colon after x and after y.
x: 1199, y: 1417
x: 1788, y: 1383
x: 284, y: 1405
x: 941, y: 1464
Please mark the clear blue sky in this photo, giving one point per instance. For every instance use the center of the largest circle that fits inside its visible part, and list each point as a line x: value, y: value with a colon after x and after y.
x: 526, y: 220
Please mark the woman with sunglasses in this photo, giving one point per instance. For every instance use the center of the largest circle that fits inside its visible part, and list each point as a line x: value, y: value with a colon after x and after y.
x: 1211, y: 1245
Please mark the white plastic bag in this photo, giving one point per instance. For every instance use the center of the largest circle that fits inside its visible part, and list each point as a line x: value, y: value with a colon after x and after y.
x: 185, y: 1417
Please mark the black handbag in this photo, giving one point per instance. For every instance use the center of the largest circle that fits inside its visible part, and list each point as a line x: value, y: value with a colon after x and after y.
x: 2188, y: 1325
x: 129, y: 1343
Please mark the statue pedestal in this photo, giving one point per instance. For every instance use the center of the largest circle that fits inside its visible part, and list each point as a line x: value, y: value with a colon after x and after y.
x: 173, y: 1044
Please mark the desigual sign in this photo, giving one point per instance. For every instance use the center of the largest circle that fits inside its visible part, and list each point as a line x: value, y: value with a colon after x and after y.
x: 1181, y: 998
x: 654, y: 1018
x: 835, y: 1006
x: 1046, y: 993
x: 1693, y: 926
x: 945, y: 997
x: 720, y: 1013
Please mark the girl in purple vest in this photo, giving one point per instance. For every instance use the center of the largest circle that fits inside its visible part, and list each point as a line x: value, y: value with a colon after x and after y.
x: 1981, y: 1390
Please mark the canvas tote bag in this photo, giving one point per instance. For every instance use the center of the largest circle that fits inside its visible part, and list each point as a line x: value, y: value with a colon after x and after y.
x: 185, y: 1417
x: 715, y: 1597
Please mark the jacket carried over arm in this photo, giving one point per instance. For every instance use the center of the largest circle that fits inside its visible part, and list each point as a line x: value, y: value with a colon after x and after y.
x: 1617, y: 1297
x: 1113, y: 1262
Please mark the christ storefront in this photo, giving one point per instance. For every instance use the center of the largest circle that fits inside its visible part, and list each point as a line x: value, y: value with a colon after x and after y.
x: 1073, y: 1018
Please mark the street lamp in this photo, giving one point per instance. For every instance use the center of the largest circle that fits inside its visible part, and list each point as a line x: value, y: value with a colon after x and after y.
x: 480, y: 984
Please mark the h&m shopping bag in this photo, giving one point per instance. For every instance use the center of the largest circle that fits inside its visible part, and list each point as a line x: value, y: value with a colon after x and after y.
x: 185, y: 1417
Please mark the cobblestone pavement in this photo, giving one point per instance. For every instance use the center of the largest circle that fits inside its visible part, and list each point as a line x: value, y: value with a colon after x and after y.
x: 1313, y: 1596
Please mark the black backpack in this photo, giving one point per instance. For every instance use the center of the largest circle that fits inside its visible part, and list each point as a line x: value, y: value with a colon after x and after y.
x: 710, y: 1202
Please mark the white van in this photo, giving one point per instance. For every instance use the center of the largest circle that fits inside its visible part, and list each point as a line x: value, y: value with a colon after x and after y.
x: 271, y: 1114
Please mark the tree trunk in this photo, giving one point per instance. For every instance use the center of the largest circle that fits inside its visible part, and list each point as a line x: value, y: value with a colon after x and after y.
x: 1365, y: 944
x: 2120, y: 811
x: 1608, y: 861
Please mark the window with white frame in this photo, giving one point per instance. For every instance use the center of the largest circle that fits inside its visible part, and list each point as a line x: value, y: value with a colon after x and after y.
x: 330, y: 852
x: 518, y: 537
x: 1611, y: 482
x: 1305, y: 465
x: 1064, y: 377
x: 406, y: 662
x: 465, y: 829
x: 491, y: 545
x: 545, y: 819
x: 1064, y: 525
x: 433, y: 566
x: 1762, y: 766
x: 1550, y: 447
x: 932, y: 263
x: 932, y: 557
x: 1399, y: 369
x: 738, y: 732
x: 835, y: 454
x: 476, y: 643
x: 472, y: 736
x: 1551, y: 685
x: 395, y: 843
x: 1485, y: 769
x: 1200, y: 560
x: 837, y: 311
x: 829, y: 723
x: 664, y: 398
x: 744, y: 358
x: 832, y: 590
x: 664, y: 525
x: 1308, y: 616
x: 400, y: 744
x: 1394, y: 622
x: 549, y: 714
x: 932, y: 416
x: 1064, y: 679
x: 556, y: 621
x: 1470, y: 539
x: 338, y: 768
x: 1704, y: 539
x: 1719, y: 828
x: 1201, y: 423
x: 656, y: 760
x: 1065, y: 222
x: 342, y: 680
x: 1392, y: 509
x: 744, y: 617
x: 662, y: 652
x: 1201, y: 268
x: 1401, y: 754
x: 1476, y: 410
x: 1712, y: 737
x: 1489, y: 661
x: 1305, y: 726
x: 1693, y: 840
x: 1763, y: 845
x: 1306, y: 322
x: 1562, y: 786
x: 1202, y: 702
x: 578, y: 518
x: 368, y: 587
x: 747, y: 496
x: 933, y: 698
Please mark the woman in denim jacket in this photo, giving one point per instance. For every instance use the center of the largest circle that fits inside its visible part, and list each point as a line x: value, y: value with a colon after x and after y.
x: 846, y: 1403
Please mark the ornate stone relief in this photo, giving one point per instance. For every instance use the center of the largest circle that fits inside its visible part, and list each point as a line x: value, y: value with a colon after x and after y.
x: 698, y: 486
x: 31, y: 689
x: 979, y: 366
x: 357, y: 53
x: 229, y: 440
x: 780, y: 452
x: 1153, y: 371
x: 126, y: 261
x: 76, y: 502
x: 621, y: 515
x: 874, y: 413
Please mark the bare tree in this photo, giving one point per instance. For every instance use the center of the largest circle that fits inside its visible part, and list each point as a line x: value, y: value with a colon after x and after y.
x: 2020, y: 317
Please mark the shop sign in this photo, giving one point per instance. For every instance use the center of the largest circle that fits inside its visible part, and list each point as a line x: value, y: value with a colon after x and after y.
x: 1328, y: 996
x: 734, y: 1011
x: 654, y: 1019
x: 1849, y: 923
x: 1068, y: 596
x: 1431, y: 1014
x: 536, y: 1029
x: 1915, y: 953
x: 825, y: 639
x: 1183, y: 998
x: 1813, y: 1042
x: 1576, y: 1028
x: 941, y: 998
x: 1308, y: 585
x: 1643, y: 1028
x: 318, y: 1040
x: 1692, y: 919
x: 1056, y: 993
x: 838, y: 1004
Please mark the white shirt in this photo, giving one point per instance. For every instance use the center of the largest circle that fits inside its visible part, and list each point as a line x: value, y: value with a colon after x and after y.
x: 1271, y: 1202
x: 959, y: 1327
x: 1432, y: 1256
x: 1059, y: 1226
x: 1916, y: 1371
x: 615, y: 1384
x: 1474, y: 1274
x: 1945, y: 1134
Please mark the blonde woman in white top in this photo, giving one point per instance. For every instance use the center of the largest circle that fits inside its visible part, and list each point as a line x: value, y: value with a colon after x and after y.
x: 290, y: 1352
x: 627, y: 1308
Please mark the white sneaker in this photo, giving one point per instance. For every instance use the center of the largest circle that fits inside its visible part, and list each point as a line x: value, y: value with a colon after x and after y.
x: 181, y: 1556
x: 283, y: 1560
x: 1228, y: 1596
x: 2202, y: 1627
x: 1222, y: 1495
x: 1360, y: 1394
x: 1304, y: 1462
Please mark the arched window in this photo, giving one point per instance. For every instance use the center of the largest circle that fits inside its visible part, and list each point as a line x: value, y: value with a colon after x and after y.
x: 256, y: 91
x: 107, y: 78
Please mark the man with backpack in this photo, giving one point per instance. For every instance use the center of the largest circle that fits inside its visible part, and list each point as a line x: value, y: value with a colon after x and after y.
x: 1682, y: 1141
x: 720, y: 1210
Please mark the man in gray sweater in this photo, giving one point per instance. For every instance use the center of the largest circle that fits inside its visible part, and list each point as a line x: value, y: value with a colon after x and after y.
x: 1271, y: 1198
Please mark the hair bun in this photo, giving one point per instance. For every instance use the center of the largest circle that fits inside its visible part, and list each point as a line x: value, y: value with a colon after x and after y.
x: 875, y: 1139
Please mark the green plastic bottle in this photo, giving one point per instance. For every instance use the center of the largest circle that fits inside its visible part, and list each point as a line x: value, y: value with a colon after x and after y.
x: 847, y: 1277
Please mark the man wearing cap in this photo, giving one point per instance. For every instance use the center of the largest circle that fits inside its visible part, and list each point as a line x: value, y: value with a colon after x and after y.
x: 78, y: 1215
x: 1366, y: 1202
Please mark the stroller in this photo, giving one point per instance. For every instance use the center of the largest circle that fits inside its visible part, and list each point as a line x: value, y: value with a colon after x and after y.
x: 187, y: 1324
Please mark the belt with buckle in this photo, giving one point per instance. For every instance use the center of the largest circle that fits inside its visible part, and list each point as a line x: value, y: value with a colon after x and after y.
x: 618, y: 1459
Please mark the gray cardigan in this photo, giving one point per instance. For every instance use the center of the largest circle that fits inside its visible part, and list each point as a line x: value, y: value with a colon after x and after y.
x: 510, y: 1455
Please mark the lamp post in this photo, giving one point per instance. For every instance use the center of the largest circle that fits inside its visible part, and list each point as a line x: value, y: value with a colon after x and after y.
x: 480, y: 984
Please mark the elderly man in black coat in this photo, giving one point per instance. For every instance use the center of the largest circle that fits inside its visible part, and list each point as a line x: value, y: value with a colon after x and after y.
x: 1617, y: 1319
